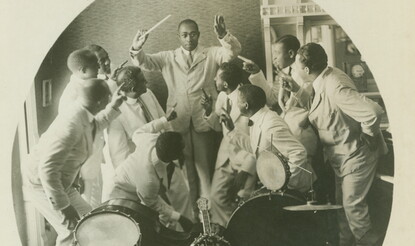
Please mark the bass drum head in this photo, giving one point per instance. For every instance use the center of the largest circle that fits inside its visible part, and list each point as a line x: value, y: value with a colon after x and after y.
x: 262, y: 221
x: 107, y: 228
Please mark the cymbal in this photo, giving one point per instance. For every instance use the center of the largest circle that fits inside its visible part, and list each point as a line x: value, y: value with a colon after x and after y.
x: 313, y: 207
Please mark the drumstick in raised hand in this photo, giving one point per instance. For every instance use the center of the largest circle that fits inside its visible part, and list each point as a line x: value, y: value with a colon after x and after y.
x: 154, y: 27
x: 245, y: 59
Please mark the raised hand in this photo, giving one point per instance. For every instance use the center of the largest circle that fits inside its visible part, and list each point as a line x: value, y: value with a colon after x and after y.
x: 116, y: 70
x: 287, y: 82
x: 207, y: 103
x: 139, y: 39
x: 219, y: 26
x: 251, y: 67
x: 118, y: 98
x: 226, y: 119
x: 71, y: 216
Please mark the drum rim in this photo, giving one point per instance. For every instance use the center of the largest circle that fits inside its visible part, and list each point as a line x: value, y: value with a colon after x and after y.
x: 92, y: 213
x: 284, y: 164
x: 266, y: 192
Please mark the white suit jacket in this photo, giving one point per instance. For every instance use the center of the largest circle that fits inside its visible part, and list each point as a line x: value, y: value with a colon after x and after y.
x: 185, y: 83
x: 142, y: 175
x: 61, y: 151
x: 121, y: 129
x: 92, y: 167
x: 341, y: 114
x: 239, y: 157
x: 267, y: 123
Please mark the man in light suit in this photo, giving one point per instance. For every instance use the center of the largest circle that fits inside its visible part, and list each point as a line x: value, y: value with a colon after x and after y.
x: 140, y: 108
x: 235, y: 170
x: 348, y: 127
x: 153, y: 174
x: 57, y: 159
x: 187, y: 70
x: 269, y: 132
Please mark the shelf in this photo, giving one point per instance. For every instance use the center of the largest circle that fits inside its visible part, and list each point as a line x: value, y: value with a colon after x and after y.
x: 371, y: 94
x: 385, y: 178
x: 291, y: 10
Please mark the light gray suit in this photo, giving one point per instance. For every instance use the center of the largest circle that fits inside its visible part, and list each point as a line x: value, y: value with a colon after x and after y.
x: 341, y: 114
x: 55, y: 163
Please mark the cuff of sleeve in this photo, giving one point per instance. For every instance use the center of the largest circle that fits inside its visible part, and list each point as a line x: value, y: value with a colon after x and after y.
x: 175, y: 216
x: 62, y: 204
x: 134, y: 52
x: 256, y: 76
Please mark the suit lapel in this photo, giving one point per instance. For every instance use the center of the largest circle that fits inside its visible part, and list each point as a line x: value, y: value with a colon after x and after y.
x: 317, y: 96
x: 178, y: 57
x: 256, y: 134
x: 199, y: 56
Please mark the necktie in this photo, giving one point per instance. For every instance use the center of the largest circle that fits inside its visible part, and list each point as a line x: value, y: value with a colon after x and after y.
x: 228, y: 105
x: 94, y: 129
x: 189, y: 59
x: 145, y: 110
x: 170, y: 170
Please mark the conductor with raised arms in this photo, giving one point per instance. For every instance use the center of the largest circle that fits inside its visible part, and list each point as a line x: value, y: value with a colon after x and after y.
x: 187, y: 70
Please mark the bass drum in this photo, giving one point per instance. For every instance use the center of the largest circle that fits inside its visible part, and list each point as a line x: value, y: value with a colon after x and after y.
x: 124, y: 222
x: 262, y: 221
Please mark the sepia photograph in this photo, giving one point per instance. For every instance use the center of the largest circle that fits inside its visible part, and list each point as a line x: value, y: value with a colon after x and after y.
x: 208, y: 123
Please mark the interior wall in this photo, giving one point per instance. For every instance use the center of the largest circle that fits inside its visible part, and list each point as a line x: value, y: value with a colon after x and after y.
x: 113, y: 24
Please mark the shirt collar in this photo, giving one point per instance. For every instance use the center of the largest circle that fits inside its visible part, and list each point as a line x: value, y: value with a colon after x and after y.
x: 257, y: 116
x: 317, y: 83
x: 186, y: 52
x: 131, y: 101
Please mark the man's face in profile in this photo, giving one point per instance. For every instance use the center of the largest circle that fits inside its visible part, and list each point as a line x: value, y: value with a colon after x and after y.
x: 188, y: 36
x: 280, y: 56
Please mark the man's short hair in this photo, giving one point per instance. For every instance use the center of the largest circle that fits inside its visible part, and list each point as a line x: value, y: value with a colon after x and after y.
x: 289, y: 42
x: 254, y: 96
x: 232, y: 74
x: 81, y: 58
x: 169, y: 146
x: 188, y: 21
x: 94, y: 90
x: 128, y: 75
x: 313, y: 56
x: 94, y: 48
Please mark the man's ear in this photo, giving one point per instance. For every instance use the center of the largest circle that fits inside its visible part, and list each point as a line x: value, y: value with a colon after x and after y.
x: 307, y: 70
x: 246, y: 106
x: 225, y: 85
x: 291, y: 54
x: 82, y: 69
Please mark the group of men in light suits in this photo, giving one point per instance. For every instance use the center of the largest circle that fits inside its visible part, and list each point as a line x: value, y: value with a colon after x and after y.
x: 164, y: 160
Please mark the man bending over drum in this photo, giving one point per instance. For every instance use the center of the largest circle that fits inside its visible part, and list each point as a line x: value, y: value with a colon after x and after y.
x: 154, y: 174
x: 269, y: 132
x: 235, y: 170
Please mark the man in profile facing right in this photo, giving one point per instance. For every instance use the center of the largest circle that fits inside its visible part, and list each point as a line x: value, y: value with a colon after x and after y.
x: 348, y: 125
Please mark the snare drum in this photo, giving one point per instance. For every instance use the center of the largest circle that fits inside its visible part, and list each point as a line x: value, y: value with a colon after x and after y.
x: 262, y: 221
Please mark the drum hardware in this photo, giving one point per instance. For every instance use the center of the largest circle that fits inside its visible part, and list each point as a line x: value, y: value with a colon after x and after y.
x: 208, y: 238
x: 313, y: 207
x: 261, y: 220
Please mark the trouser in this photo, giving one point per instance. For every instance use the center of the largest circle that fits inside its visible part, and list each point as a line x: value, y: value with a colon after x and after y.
x: 351, y: 192
x: 39, y: 200
x: 199, y: 158
x: 222, y: 206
